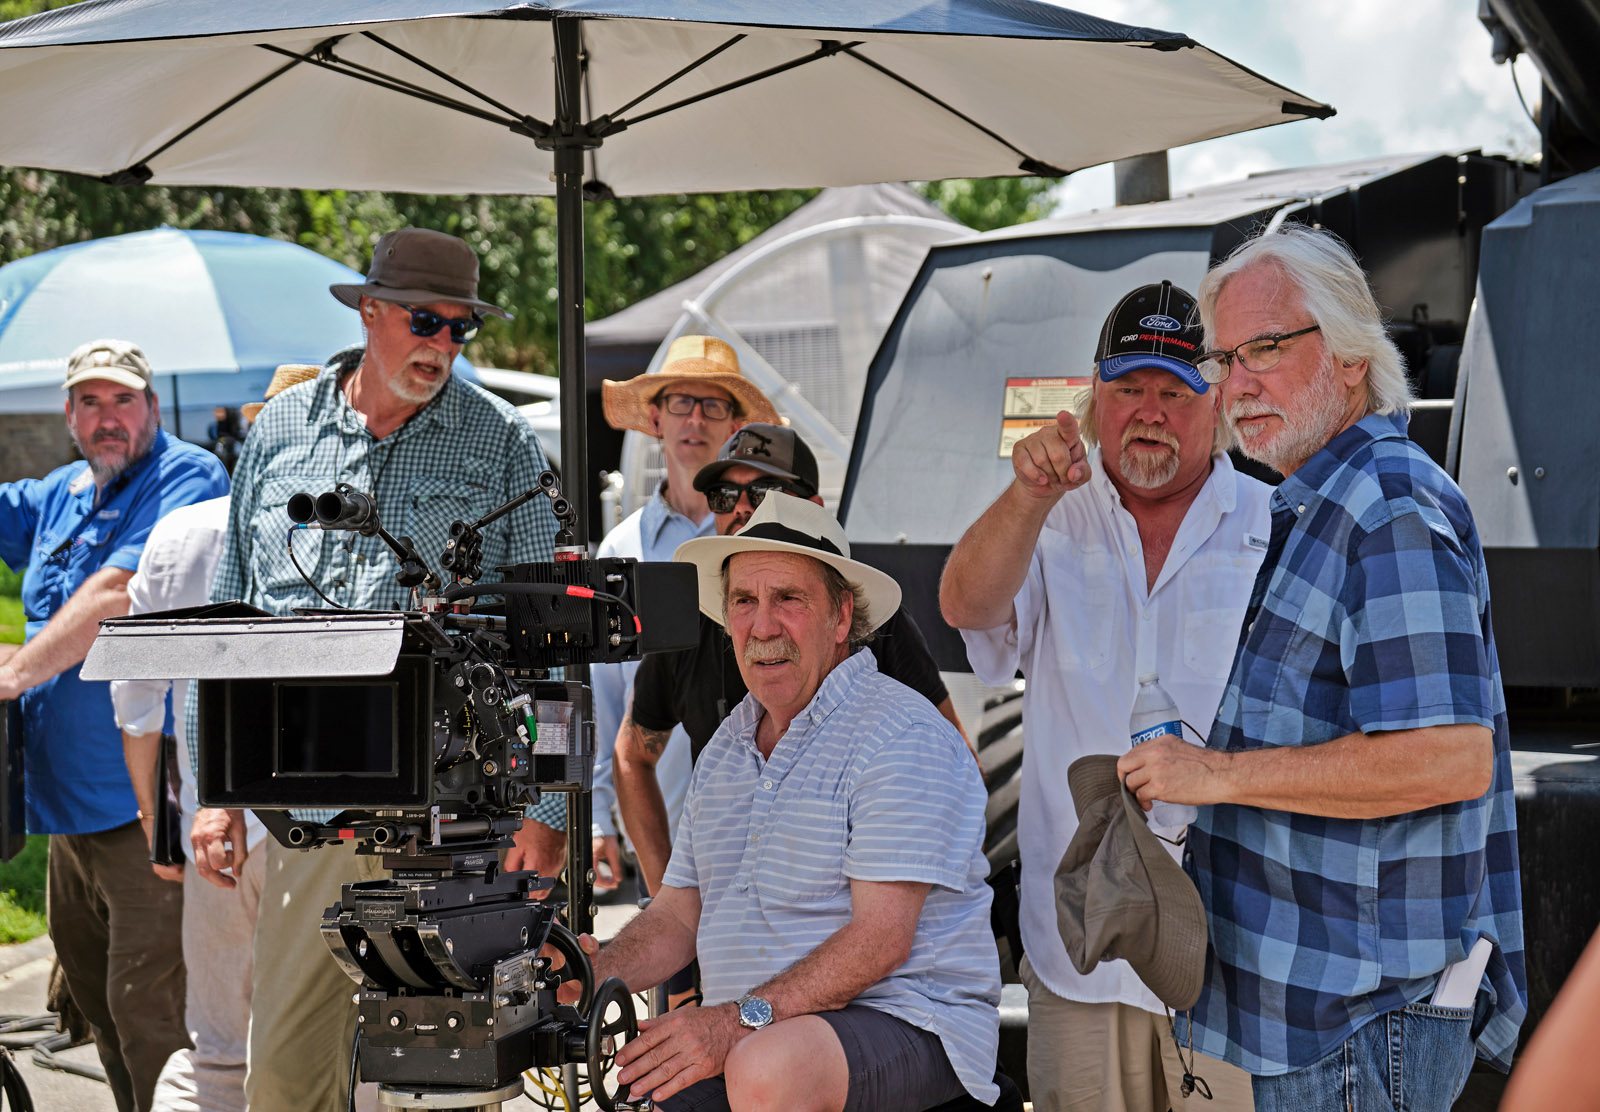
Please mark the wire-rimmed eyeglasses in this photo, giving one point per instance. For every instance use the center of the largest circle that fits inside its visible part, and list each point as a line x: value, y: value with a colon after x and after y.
x: 1257, y: 355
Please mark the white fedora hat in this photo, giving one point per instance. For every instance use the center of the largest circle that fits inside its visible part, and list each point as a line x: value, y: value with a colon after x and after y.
x: 784, y: 523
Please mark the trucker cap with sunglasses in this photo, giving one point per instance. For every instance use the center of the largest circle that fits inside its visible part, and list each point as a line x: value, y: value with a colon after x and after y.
x: 773, y: 450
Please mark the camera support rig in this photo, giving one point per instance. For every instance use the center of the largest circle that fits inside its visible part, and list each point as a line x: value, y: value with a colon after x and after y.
x: 428, y: 731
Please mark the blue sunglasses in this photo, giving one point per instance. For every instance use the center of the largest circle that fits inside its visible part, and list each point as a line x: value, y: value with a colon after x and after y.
x: 425, y: 322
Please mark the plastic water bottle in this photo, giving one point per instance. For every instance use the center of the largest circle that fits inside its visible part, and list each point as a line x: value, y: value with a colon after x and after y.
x: 1156, y: 715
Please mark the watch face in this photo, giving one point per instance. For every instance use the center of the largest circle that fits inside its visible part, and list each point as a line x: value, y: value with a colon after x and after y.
x: 755, y: 1012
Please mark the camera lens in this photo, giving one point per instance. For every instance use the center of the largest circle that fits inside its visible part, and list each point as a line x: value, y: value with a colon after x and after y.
x: 302, y: 508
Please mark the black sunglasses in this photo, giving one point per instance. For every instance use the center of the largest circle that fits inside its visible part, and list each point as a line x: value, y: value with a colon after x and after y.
x: 723, y: 497
x: 425, y: 322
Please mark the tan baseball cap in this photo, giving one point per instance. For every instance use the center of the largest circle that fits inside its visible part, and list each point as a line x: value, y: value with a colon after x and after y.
x: 116, y: 361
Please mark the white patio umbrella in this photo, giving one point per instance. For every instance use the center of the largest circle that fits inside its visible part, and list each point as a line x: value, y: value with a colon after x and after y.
x: 597, y: 97
x: 603, y: 96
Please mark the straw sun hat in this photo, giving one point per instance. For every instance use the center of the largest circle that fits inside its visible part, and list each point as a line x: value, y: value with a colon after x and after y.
x: 290, y: 374
x: 691, y: 361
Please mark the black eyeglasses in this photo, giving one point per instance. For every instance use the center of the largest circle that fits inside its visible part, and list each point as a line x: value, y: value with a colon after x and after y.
x: 723, y: 497
x: 425, y: 322
x: 1257, y: 355
x: 681, y: 405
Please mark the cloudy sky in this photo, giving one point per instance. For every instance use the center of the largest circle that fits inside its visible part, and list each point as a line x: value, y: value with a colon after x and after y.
x: 1405, y: 75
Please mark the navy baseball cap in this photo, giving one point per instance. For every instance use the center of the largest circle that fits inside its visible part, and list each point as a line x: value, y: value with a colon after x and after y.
x: 1154, y: 326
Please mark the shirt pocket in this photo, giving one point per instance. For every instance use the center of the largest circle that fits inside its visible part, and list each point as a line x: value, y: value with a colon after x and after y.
x: 433, y: 503
x: 804, y: 858
x: 1082, y: 589
x: 1210, y: 640
x: 275, y: 575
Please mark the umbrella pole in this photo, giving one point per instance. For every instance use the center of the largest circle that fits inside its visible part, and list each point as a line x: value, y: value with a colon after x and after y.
x: 567, y: 140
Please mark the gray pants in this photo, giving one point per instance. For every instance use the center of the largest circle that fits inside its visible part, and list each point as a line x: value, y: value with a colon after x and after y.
x: 118, y: 933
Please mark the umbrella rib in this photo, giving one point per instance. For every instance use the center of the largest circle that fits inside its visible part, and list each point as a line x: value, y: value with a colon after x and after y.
x: 1029, y: 164
x: 358, y: 72
x: 697, y: 63
x: 443, y: 76
x: 215, y: 112
x: 827, y: 50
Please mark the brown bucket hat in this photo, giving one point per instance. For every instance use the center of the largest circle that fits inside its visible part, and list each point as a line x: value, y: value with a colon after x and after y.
x: 289, y: 374
x: 1119, y: 893
x: 691, y: 360
x: 418, y: 266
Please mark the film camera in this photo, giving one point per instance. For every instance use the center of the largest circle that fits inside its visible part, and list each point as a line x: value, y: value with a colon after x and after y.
x: 428, y: 731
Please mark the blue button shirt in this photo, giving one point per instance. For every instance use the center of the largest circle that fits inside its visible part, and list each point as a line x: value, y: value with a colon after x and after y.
x: 1371, y: 613
x: 77, y: 781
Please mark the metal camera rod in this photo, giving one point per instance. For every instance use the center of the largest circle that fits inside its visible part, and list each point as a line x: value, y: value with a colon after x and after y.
x: 463, y: 552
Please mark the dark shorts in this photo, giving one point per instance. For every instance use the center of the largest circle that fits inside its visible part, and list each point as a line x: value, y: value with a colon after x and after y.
x: 894, y: 1067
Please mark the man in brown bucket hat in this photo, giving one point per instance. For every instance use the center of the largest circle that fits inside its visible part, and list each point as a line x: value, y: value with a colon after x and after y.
x: 391, y: 420
x: 697, y: 400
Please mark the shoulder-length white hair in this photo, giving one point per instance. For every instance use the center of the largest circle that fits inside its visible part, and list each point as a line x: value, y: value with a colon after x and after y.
x: 1334, y: 290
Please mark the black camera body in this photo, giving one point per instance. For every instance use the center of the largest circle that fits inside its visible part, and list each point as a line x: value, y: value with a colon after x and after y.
x: 428, y: 731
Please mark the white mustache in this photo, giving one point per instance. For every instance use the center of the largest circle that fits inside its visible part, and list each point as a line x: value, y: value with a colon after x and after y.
x: 1149, y: 432
x: 1247, y: 407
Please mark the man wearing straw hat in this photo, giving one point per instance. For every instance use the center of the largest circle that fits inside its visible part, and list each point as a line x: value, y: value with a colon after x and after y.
x: 828, y: 870
x: 390, y: 419
x: 218, y: 925
x: 695, y: 401
x: 79, y: 533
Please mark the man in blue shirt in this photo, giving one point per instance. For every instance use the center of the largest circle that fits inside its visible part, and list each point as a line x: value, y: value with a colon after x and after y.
x: 79, y: 532
x: 1358, y: 860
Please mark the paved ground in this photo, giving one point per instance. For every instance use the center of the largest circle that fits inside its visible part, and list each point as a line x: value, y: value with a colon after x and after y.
x: 24, y: 980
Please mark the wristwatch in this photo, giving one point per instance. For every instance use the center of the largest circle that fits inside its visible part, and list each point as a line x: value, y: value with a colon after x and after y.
x: 754, y: 1012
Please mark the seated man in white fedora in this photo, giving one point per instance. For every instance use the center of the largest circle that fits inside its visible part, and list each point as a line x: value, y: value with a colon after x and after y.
x: 828, y: 870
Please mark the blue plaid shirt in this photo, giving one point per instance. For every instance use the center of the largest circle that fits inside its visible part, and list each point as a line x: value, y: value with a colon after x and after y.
x: 462, y: 455
x: 1370, y: 613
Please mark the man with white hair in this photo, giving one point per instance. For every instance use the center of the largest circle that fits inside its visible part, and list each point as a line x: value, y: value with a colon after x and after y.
x: 78, y: 533
x: 390, y: 419
x: 828, y: 870
x: 1097, y: 565
x: 1357, y: 856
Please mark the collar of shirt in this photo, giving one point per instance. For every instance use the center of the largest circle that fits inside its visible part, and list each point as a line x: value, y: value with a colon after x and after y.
x: 831, y: 692
x: 658, y: 514
x: 1217, y: 497
x: 1310, y: 482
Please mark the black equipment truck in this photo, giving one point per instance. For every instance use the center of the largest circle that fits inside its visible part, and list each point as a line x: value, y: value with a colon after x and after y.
x: 1487, y: 270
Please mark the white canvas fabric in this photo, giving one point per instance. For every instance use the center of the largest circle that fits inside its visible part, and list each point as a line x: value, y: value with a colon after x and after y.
x: 101, y: 91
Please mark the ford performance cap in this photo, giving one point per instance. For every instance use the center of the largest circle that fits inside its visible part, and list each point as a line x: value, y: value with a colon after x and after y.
x: 1154, y: 326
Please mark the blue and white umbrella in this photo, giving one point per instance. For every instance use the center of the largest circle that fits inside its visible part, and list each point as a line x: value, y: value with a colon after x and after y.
x: 212, y: 302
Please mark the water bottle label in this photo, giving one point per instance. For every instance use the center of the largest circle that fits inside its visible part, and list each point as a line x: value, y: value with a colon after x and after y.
x: 1160, y: 729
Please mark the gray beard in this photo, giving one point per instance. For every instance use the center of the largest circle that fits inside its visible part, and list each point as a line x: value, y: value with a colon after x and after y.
x: 103, y: 469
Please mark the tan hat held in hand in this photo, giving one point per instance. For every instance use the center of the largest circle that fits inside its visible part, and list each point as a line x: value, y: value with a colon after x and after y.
x: 1119, y: 893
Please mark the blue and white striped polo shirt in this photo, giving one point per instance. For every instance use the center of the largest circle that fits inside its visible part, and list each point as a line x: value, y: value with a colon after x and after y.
x: 869, y: 783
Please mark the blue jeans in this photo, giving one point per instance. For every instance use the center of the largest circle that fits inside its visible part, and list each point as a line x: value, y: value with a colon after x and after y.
x: 1415, y: 1059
